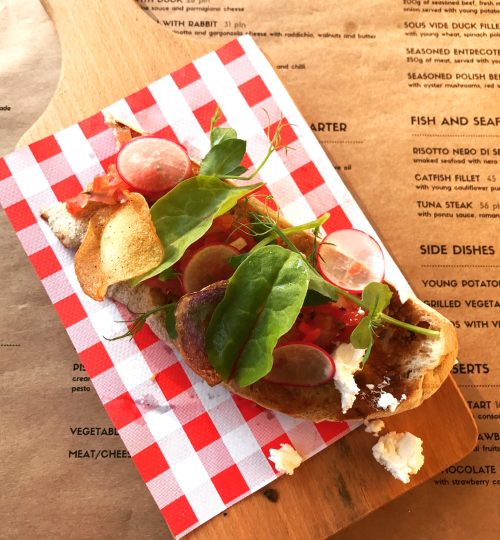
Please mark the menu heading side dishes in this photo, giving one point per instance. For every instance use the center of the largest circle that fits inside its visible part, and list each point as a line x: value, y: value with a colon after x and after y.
x: 405, y: 98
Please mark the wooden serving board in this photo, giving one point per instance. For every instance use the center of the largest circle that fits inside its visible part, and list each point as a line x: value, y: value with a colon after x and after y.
x: 111, y: 49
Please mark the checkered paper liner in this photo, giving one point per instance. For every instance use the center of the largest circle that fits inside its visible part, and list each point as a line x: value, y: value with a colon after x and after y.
x: 198, y: 449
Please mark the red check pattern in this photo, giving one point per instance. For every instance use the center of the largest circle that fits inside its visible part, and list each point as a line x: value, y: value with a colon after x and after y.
x: 199, y: 449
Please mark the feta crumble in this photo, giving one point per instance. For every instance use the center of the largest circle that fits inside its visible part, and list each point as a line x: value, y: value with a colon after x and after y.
x: 388, y: 401
x: 286, y: 459
x: 374, y: 426
x: 400, y: 453
x: 347, y: 362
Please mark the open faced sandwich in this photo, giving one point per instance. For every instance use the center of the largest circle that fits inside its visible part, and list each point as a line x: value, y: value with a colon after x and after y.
x: 297, y: 322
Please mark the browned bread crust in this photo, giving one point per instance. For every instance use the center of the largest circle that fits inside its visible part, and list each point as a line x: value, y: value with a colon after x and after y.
x: 401, y: 362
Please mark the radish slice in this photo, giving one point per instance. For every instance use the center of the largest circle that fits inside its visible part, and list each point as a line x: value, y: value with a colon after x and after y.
x: 208, y: 265
x: 152, y: 166
x: 350, y: 259
x: 301, y: 364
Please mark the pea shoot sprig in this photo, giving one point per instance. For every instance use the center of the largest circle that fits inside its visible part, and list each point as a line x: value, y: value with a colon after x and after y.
x: 138, y: 322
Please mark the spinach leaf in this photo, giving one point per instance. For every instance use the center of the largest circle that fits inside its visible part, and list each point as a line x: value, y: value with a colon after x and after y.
x: 314, y: 298
x: 223, y: 158
x: 320, y: 285
x: 167, y: 274
x: 218, y: 135
x: 316, y: 281
x: 185, y: 214
x: 261, y: 303
x: 235, y: 261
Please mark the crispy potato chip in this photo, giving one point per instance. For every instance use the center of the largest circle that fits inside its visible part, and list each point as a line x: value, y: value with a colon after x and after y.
x: 121, y: 243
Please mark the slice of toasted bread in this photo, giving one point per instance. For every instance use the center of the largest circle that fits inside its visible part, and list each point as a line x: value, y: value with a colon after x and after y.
x: 401, y: 363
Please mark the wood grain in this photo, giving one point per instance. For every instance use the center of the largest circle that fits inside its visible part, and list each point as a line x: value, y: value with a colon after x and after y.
x: 111, y: 49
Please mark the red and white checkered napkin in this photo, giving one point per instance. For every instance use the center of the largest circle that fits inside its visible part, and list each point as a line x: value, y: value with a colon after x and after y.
x: 198, y: 449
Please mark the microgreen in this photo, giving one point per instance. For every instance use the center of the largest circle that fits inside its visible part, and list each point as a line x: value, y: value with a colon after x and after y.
x: 138, y: 322
x: 375, y: 298
x: 170, y: 320
x: 224, y: 159
x: 218, y: 134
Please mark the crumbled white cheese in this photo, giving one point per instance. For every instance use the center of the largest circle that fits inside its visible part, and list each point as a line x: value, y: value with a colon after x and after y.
x: 400, y: 453
x: 388, y: 401
x: 347, y: 362
x: 286, y: 459
x: 370, y: 386
x: 374, y: 426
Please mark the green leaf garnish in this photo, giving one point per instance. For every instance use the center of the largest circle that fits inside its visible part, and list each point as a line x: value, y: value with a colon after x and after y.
x: 235, y: 261
x: 314, y: 298
x: 376, y: 297
x: 238, y: 171
x: 185, y: 214
x: 261, y: 303
x: 223, y: 158
x: 218, y: 135
x: 170, y: 321
x: 137, y: 323
x: 362, y: 337
x: 316, y: 281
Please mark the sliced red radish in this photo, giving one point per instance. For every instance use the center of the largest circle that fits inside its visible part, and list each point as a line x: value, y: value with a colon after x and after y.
x: 208, y: 265
x: 301, y: 364
x: 350, y: 259
x: 152, y: 166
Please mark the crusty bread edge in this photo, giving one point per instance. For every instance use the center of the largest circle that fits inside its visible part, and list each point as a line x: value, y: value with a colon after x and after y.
x: 435, y: 375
